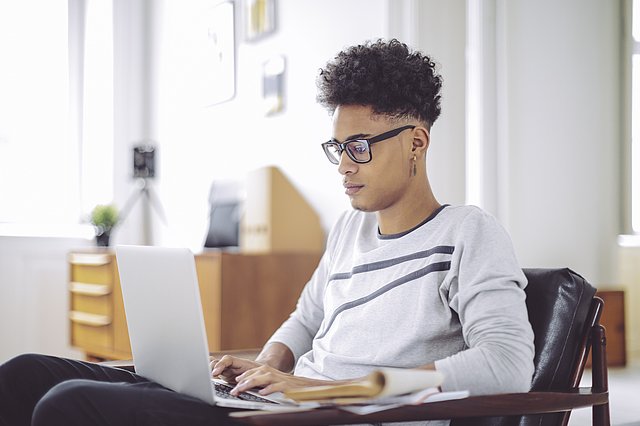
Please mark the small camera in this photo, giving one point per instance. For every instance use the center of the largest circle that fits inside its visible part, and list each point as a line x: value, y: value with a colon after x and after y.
x: 144, y: 163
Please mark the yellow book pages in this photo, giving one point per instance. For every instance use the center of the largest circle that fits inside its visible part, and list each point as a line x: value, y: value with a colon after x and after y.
x: 382, y: 382
x: 368, y: 387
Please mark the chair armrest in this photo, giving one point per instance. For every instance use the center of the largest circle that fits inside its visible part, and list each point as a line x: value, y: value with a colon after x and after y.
x: 476, y: 406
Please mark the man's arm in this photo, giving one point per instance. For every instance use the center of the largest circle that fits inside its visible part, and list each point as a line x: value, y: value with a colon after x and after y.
x: 489, y: 299
x: 277, y: 355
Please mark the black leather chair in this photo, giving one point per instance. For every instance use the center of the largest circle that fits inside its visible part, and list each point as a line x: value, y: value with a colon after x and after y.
x: 564, y: 314
x: 562, y: 311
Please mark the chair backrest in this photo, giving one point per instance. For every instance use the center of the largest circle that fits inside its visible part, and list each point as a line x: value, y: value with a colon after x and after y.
x: 558, y: 301
x: 559, y: 304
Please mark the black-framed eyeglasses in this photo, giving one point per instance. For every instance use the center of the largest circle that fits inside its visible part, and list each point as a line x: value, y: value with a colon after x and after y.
x: 359, y: 150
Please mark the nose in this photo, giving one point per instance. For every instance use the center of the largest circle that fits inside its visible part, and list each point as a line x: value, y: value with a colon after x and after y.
x: 346, y: 165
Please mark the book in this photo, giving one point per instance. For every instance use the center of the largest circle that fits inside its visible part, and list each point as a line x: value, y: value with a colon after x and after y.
x: 380, y: 383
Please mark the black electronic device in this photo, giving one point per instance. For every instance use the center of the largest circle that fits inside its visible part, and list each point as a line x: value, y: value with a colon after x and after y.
x: 144, y: 170
x: 144, y: 161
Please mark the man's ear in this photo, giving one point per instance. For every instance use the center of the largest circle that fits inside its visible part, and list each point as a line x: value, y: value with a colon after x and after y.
x: 421, y: 139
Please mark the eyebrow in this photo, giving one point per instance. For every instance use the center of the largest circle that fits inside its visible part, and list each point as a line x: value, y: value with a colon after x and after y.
x: 352, y: 137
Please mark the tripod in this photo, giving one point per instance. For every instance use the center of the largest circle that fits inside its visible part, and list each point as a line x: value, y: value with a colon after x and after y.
x: 150, y: 200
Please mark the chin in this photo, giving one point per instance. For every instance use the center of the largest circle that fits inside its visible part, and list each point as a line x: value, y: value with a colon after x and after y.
x: 360, y: 207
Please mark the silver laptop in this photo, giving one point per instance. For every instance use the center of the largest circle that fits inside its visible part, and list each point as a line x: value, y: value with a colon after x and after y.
x: 166, y: 325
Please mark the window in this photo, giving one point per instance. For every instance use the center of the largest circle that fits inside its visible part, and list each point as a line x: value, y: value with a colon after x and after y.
x: 56, y: 110
x: 36, y: 155
x: 96, y: 173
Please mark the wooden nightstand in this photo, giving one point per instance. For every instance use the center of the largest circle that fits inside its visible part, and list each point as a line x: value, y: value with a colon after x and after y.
x: 96, y: 312
x: 613, y: 321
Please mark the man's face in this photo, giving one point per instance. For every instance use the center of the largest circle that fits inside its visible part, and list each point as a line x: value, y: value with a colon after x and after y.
x: 383, y: 182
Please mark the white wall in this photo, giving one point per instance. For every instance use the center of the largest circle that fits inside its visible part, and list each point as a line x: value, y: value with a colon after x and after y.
x: 442, y: 34
x: 135, y: 61
x: 563, y: 96
x: 34, y: 300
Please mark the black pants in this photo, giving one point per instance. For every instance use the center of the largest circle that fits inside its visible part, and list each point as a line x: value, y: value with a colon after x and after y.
x: 42, y: 390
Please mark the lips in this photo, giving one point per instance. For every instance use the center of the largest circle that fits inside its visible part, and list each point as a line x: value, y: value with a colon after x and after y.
x: 352, y: 188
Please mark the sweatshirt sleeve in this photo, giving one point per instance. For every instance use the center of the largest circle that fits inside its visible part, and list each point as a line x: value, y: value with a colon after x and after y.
x: 487, y: 292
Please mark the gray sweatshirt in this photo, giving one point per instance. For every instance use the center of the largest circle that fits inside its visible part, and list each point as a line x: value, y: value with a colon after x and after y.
x: 448, y: 292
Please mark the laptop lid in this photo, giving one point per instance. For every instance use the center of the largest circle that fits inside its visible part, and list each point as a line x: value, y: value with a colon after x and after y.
x: 164, y: 317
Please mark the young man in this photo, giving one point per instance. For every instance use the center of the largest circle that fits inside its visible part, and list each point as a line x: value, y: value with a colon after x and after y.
x: 404, y: 282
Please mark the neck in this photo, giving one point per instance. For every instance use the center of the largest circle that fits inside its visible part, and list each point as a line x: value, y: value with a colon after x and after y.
x: 408, y: 214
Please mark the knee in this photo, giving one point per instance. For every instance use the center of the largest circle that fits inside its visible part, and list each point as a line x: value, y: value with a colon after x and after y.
x: 13, y: 371
x: 60, y: 405
x: 21, y: 363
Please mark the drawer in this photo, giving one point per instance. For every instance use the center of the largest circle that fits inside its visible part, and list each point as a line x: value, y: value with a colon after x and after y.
x: 91, y: 268
x: 90, y: 330
x: 101, y: 305
x: 91, y: 298
x: 92, y: 274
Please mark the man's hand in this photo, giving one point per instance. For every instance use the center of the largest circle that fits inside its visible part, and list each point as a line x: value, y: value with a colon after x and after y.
x: 272, y: 380
x: 266, y: 372
x: 230, y: 367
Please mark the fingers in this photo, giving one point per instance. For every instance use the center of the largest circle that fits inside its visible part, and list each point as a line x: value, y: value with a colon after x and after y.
x: 212, y: 362
x: 221, y: 370
x: 269, y: 379
x: 229, y: 367
x: 274, y: 387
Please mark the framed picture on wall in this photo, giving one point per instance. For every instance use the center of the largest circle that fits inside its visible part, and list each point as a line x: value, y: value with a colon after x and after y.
x: 218, y: 81
x: 260, y: 18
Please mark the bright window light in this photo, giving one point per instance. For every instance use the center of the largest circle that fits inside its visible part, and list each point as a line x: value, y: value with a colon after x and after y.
x: 50, y: 172
x: 37, y: 167
x: 97, y: 130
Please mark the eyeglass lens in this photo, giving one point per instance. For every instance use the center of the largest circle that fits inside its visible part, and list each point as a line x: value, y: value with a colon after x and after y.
x: 357, y: 150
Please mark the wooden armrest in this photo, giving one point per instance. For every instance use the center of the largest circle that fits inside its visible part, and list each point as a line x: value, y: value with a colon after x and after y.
x: 476, y: 406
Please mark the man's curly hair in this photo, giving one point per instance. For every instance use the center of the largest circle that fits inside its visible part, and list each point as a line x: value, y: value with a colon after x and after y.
x: 387, y: 76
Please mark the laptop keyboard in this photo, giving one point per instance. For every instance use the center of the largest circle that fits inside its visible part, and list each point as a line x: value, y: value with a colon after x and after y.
x: 223, y: 390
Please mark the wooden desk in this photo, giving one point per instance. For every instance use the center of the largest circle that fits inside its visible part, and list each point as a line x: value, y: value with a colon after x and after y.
x: 245, y: 297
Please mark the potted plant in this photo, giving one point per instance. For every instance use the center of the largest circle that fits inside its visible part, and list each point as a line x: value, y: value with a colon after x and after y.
x: 104, y: 217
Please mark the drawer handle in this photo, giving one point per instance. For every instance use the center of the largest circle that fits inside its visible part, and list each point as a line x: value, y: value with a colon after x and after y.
x: 89, y: 259
x: 89, y: 289
x: 85, y: 318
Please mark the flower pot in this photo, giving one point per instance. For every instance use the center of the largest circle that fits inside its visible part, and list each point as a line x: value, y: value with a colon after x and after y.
x: 102, y: 239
